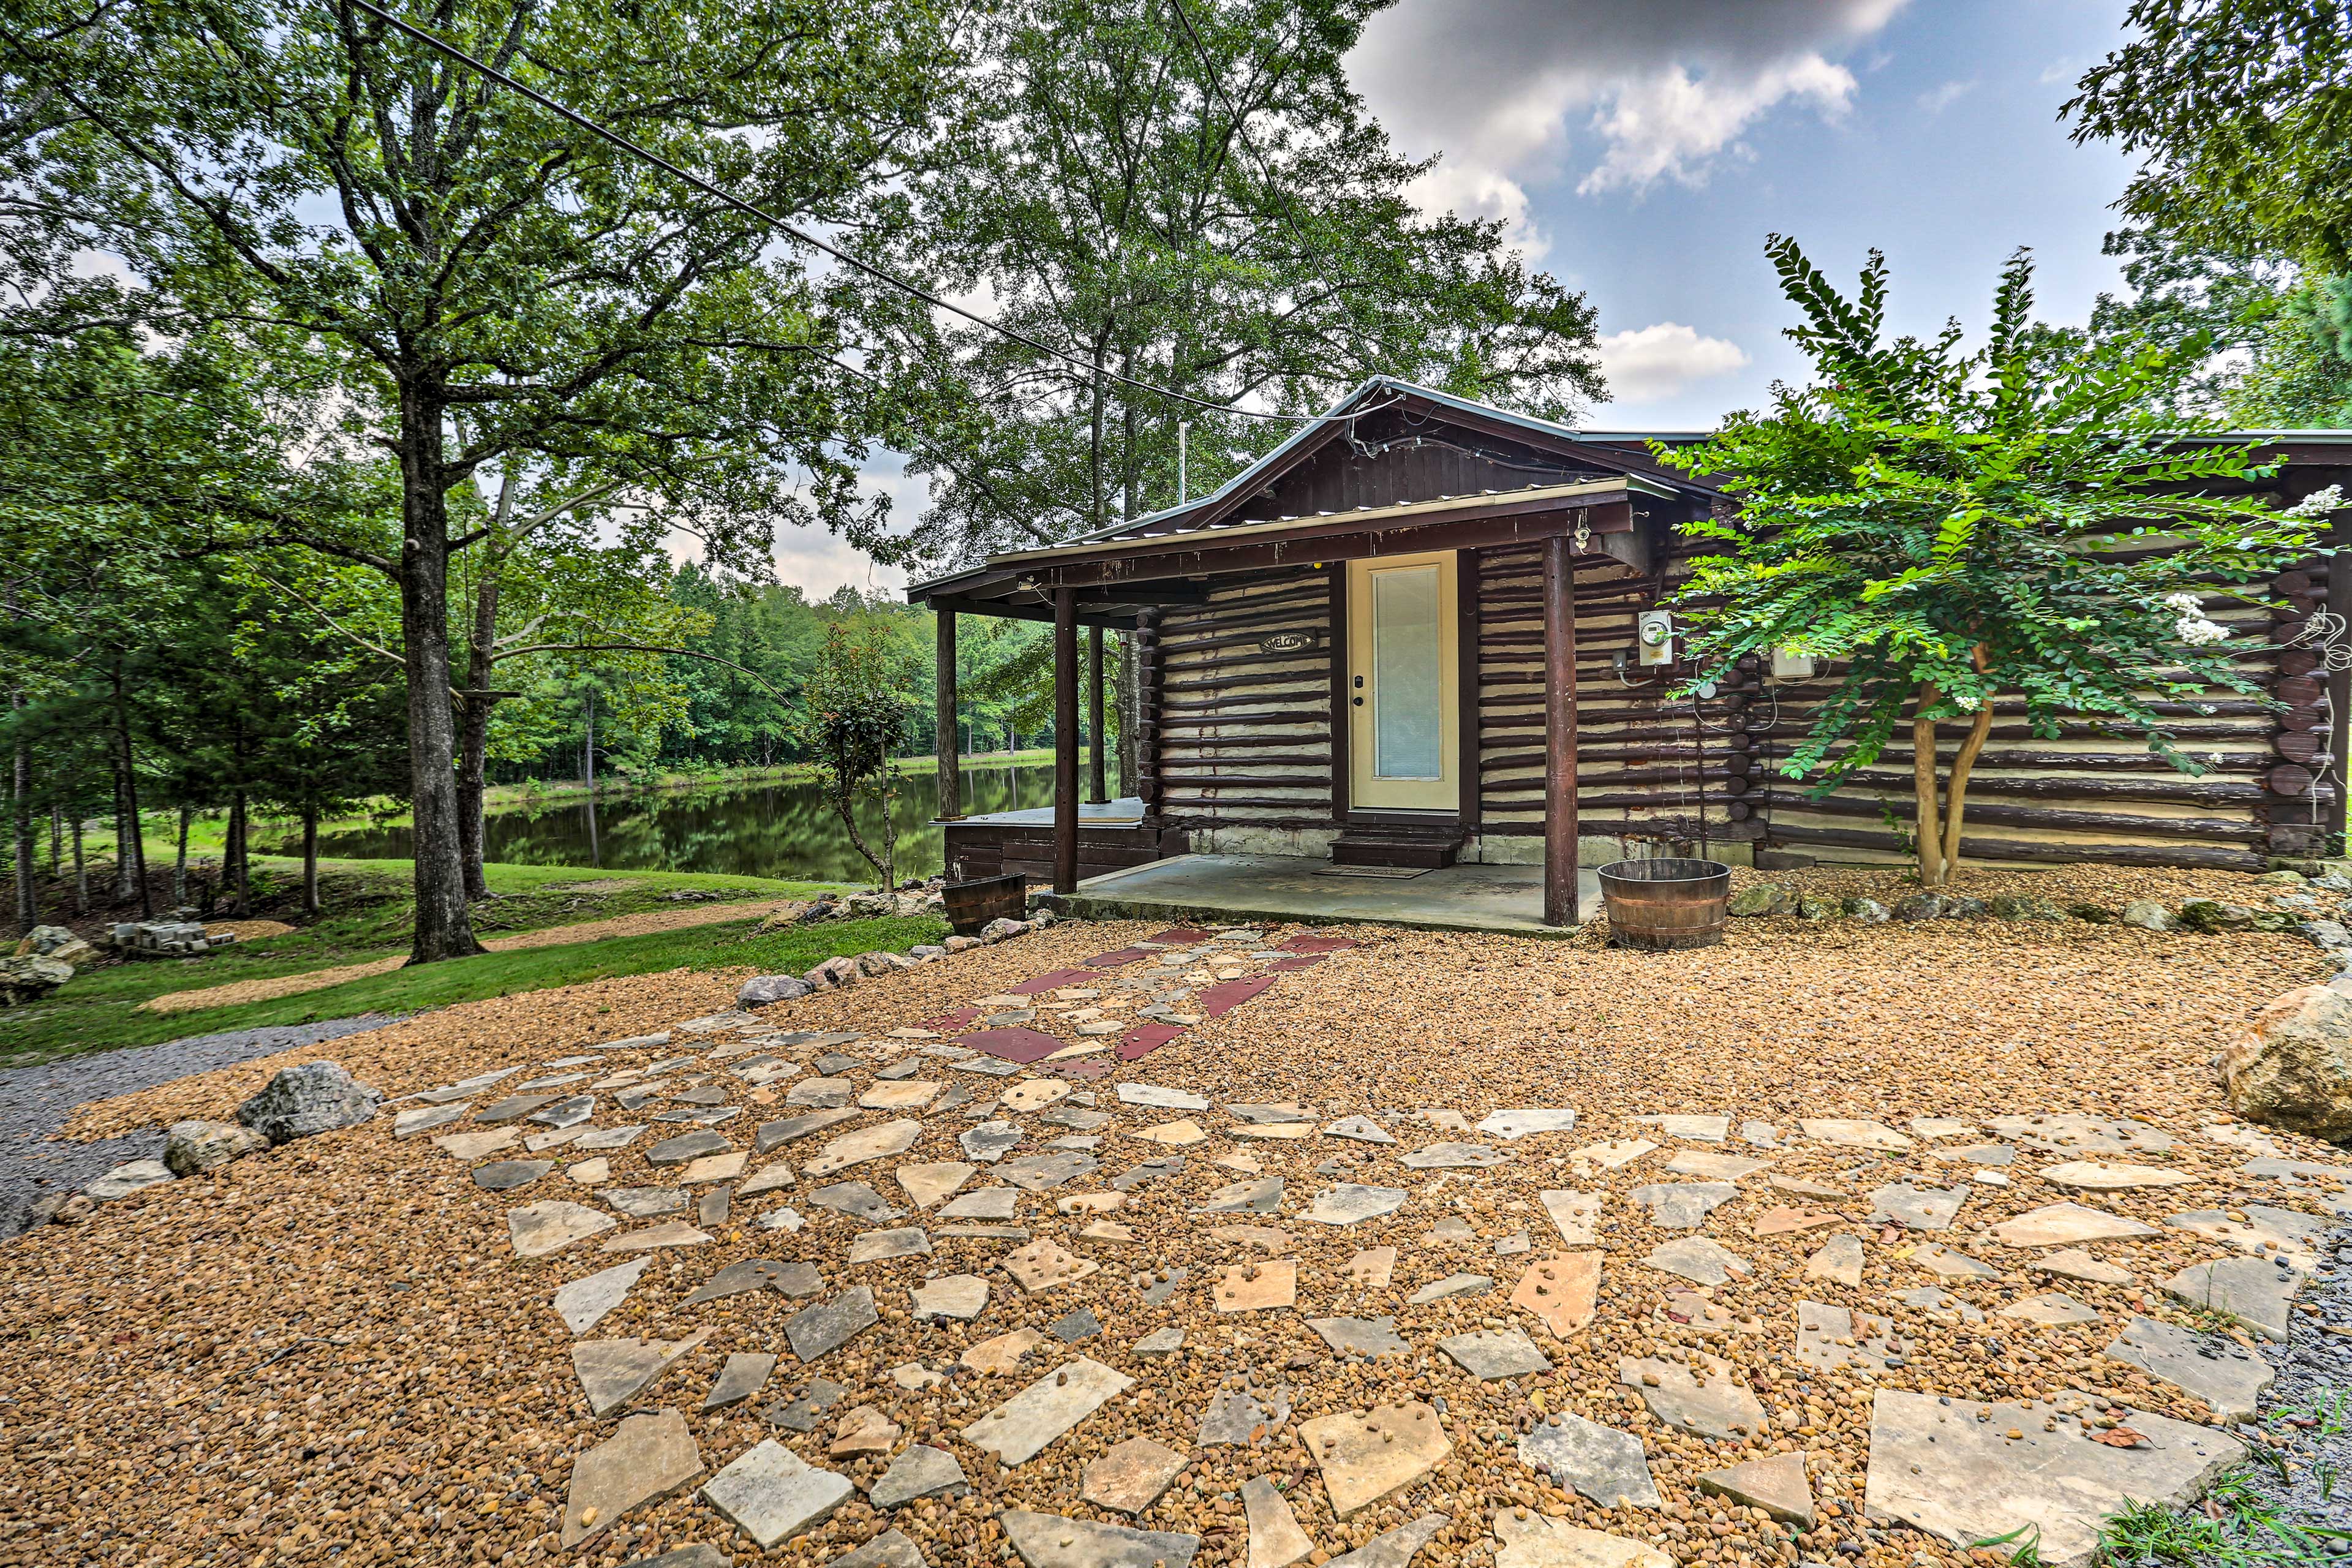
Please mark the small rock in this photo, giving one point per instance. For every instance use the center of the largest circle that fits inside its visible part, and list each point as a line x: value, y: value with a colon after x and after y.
x: 192, y: 1147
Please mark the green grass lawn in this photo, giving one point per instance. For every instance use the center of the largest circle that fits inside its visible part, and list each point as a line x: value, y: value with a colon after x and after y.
x: 367, y: 916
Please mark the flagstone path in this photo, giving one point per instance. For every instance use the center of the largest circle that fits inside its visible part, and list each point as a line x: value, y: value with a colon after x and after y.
x: 945, y: 1285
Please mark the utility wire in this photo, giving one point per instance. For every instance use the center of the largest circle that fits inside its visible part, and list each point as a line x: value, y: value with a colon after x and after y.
x: 817, y: 243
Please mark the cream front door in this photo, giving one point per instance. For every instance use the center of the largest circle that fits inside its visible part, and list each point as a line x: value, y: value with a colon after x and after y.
x: 1404, y: 752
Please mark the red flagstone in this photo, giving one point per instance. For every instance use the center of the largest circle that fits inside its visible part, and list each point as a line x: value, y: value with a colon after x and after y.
x: 1049, y: 981
x: 955, y: 1020
x: 1304, y: 960
x: 1145, y: 1038
x: 1177, y: 936
x: 1084, y: 1066
x: 1124, y: 956
x: 1314, y: 943
x: 1219, y: 1000
x: 1017, y: 1045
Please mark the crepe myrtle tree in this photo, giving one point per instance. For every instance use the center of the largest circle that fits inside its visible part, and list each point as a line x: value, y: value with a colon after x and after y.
x: 1959, y: 533
x: 858, y: 717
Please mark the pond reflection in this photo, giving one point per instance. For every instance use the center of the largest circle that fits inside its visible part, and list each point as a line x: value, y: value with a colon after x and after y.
x: 762, y: 830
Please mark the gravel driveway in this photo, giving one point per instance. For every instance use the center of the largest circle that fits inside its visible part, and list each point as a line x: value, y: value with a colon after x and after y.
x: 36, y: 1100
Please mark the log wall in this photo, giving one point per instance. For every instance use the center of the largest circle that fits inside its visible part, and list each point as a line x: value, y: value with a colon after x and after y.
x: 1241, y: 738
x: 1234, y: 736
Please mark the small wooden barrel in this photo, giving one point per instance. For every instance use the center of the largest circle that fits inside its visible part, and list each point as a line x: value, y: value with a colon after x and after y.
x: 1666, y: 904
x: 972, y: 905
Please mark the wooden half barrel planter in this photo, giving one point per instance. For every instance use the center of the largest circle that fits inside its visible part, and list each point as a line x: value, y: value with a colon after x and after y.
x: 1665, y: 904
x: 972, y: 905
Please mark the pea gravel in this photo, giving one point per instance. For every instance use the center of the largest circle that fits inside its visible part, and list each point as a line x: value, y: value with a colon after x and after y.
x: 331, y: 1354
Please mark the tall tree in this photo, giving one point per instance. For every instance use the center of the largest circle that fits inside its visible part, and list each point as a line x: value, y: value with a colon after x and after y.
x: 1188, y: 193
x: 2240, y: 114
x: 493, y: 285
x: 1958, y: 531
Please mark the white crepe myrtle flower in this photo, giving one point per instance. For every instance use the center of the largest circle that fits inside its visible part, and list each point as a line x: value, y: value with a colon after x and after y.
x: 2318, y: 503
x: 2193, y: 628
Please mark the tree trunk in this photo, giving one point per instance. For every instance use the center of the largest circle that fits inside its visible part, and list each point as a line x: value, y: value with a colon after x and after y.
x: 28, y: 891
x: 311, y: 857
x: 180, y: 862
x: 56, y: 837
x: 1928, y: 832
x: 443, y: 927
x: 81, y: 871
x: 1956, y: 787
x: 131, y: 801
x: 474, y: 723
x: 122, y: 853
x: 236, y: 876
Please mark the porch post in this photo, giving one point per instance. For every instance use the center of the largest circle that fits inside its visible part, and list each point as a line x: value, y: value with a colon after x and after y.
x: 1096, y: 790
x: 1559, y: 734
x: 946, y: 746
x: 1065, y: 739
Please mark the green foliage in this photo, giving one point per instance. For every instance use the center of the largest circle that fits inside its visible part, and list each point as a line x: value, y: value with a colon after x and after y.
x: 1193, y: 196
x: 2240, y: 114
x: 2236, y: 1526
x: 1955, y: 529
x: 858, y: 715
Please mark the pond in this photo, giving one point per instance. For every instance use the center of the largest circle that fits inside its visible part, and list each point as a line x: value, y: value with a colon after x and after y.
x: 760, y: 830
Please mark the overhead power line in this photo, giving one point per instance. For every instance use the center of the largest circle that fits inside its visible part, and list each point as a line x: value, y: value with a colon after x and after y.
x: 817, y: 242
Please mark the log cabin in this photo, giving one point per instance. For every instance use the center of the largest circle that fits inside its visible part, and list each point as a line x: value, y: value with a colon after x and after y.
x: 1411, y: 665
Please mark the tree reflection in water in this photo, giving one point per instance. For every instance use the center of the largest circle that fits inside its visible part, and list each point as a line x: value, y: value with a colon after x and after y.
x: 764, y: 830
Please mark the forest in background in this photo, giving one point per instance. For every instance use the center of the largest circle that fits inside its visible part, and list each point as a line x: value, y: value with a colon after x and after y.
x: 354, y: 407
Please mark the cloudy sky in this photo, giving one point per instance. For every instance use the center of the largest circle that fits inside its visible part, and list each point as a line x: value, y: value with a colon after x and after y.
x: 1641, y: 150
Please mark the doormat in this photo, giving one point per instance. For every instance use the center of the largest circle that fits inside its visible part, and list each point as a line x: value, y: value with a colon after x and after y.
x: 1396, y: 873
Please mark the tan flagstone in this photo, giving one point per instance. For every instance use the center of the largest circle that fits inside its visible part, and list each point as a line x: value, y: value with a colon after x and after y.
x: 1368, y: 1456
x: 1560, y: 1290
x: 1257, y: 1287
x: 1046, y: 1265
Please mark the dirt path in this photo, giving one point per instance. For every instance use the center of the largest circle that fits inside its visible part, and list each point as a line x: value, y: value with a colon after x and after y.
x: 242, y: 991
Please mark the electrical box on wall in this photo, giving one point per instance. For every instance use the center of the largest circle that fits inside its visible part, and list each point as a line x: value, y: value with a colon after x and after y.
x: 1653, y: 634
x: 1787, y: 666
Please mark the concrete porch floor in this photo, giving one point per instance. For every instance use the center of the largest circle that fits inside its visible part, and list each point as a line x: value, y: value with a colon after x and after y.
x: 1226, y: 889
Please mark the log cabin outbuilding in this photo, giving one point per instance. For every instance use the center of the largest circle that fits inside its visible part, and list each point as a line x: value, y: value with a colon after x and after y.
x: 1409, y: 666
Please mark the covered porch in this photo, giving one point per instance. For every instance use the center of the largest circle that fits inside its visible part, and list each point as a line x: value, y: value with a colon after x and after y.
x: 1358, y: 680
x: 1115, y: 853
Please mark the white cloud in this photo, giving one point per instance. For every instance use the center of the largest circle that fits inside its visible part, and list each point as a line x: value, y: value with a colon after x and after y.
x: 1648, y: 364
x: 1934, y: 100
x: 1673, y: 125
x: 817, y: 563
x: 1620, y: 96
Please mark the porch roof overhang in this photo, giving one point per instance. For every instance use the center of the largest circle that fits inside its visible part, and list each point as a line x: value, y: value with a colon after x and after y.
x: 1115, y: 580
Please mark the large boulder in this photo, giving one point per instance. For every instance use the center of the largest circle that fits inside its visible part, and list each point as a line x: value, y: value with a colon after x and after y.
x: 762, y: 989
x: 31, y: 977
x: 1869, y: 911
x: 1758, y: 898
x: 43, y: 940
x: 1920, y: 906
x: 1002, y: 927
x: 2292, y: 1065
x: 191, y: 1148
x: 2147, y: 914
x: 316, y: 1097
